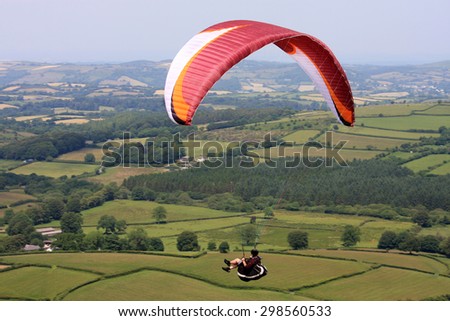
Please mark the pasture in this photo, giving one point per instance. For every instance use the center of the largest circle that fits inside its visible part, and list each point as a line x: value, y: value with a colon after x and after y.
x: 7, y: 198
x: 375, y: 132
x: 303, y: 151
x: 140, y: 212
x: 364, y: 142
x: 324, y: 230
x: 301, y: 136
x: 318, y: 274
x: 428, y: 163
x: 40, y: 283
x: 443, y: 109
x: 118, y: 174
x: 6, y: 164
x: 78, y: 155
x: 135, y: 287
x: 386, y: 284
x: 413, y: 122
x: 54, y: 169
x: 441, y: 170
x: 392, y: 110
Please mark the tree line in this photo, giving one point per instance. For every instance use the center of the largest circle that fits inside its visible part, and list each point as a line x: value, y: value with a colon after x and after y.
x: 43, y: 147
x: 361, y: 183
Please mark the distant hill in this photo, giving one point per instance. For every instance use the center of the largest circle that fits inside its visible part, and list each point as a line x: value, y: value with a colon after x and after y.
x: 427, y: 80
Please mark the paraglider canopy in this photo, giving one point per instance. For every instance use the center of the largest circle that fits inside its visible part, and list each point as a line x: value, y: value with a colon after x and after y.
x: 209, y: 54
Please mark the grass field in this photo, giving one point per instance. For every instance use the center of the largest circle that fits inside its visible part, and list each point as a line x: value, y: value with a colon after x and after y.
x: 135, y: 287
x: 366, y: 131
x: 54, y: 169
x: 138, y: 212
x: 7, y: 198
x: 301, y: 136
x: 78, y: 155
x: 428, y: 162
x: 118, y: 174
x: 129, y: 277
x: 6, y: 164
x: 38, y: 283
x: 441, y: 170
x: 394, y: 259
x: 346, y: 154
x: 391, y: 110
x: 413, y: 122
x: 383, y: 284
x: 363, y: 142
x: 437, y: 110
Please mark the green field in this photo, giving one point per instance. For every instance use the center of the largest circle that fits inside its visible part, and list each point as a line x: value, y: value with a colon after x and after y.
x: 118, y: 174
x: 6, y: 164
x: 128, y: 277
x: 413, y: 122
x: 437, y: 110
x: 366, y: 131
x: 364, y: 142
x: 301, y: 136
x: 139, y: 212
x: 54, y: 169
x: 7, y: 198
x: 422, y: 263
x: 135, y: 287
x: 39, y: 283
x: 346, y: 154
x: 441, y: 170
x: 383, y: 284
x: 429, y: 162
x: 78, y: 155
x: 391, y: 110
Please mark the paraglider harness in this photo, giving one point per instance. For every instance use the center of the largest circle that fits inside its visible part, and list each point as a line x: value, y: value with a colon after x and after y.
x: 258, y: 271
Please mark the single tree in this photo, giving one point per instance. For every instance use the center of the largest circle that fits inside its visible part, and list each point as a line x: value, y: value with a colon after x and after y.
x: 224, y: 247
x: 54, y: 207
x: 108, y: 223
x: 268, y: 212
x: 409, y: 244
x: 138, y: 239
x: 73, y: 204
x: 445, y: 247
x: 187, y: 241
x: 430, y: 243
x: 112, y: 242
x: 69, y: 241
x: 160, y: 214
x: 249, y: 234
x: 138, y: 193
x: 121, y: 226
x: 422, y: 219
x: 155, y: 244
x: 20, y: 224
x: 298, y: 240
x: 93, y: 241
x: 71, y: 223
x: 212, y: 246
x: 89, y: 158
x: 388, y: 240
x: 350, y: 236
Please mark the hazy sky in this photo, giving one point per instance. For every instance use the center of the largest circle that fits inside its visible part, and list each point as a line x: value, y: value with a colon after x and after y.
x: 358, y: 31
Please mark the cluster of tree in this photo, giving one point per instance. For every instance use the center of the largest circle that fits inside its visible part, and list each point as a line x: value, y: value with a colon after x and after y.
x: 350, y: 236
x: 411, y: 242
x: 54, y: 206
x: 360, y: 183
x: 224, y: 247
x: 157, y: 151
x: 135, y: 240
x: 43, y: 147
